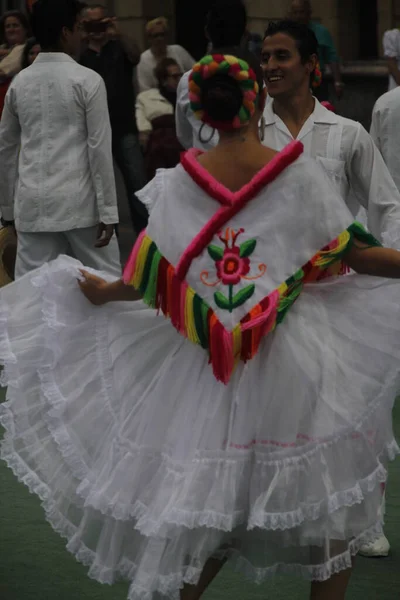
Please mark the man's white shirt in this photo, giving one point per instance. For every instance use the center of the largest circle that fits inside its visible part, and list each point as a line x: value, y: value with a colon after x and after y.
x: 385, y: 131
x: 56, y: 169
x: 352, y: 162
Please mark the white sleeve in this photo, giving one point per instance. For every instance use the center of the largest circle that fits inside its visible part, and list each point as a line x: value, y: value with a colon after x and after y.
x: 145, y: 75
x: 391, y: 43
x: 187, y: 61
x: 184, y: 129
x: 100, y: 153
x: 375, y: 189
x: 143, y: 124
x: 152, y: 192
x: 10, y: 139
x: 375, y: 131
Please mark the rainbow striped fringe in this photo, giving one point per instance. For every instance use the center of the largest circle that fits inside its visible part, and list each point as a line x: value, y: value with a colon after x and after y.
x: 151, y: 273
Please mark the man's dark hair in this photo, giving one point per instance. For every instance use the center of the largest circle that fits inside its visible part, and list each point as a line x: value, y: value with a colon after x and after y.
x: 25, y: 54
x: 49, y: 17
x: 23, y: 19
x: 226, y: 23
x: 304, y: 37
x: 161, y: 70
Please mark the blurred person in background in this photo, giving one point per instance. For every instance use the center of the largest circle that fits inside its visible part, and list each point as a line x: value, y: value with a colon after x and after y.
x: 30, y: 53
x: 301, y: 12
x: 157, y: 34
x: 57, y: 184
x: 226, y: 26
x: 391, y: 50
x: 14, y: 30
x: 155, y: 116
x: 114, y: 56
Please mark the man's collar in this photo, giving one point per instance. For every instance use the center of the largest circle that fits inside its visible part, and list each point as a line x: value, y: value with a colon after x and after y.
x: 320, y: 114
x: 54, y: 57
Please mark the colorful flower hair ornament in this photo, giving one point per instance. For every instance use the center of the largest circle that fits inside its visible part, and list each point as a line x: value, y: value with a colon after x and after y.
x: 317, y: 79
x: 240, y: 71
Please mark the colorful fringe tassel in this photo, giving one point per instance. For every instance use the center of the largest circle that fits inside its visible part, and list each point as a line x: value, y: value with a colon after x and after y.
x: 150, y: 273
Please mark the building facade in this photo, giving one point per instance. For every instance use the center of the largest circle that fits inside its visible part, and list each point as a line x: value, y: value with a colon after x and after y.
x: 356, y: 25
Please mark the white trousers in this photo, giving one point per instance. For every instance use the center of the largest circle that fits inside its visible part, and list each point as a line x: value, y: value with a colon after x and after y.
x: 35, y: 249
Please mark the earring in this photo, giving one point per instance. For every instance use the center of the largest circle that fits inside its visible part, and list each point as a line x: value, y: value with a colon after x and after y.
x: 261, y: 129
x: 200, y: 135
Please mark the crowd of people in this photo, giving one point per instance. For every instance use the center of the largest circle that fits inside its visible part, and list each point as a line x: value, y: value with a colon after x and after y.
x: 139, y: 145
x: 252, y: 424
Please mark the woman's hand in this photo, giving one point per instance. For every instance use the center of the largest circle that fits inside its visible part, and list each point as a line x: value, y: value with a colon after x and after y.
x: 94, y: 288
x: 98, y: 291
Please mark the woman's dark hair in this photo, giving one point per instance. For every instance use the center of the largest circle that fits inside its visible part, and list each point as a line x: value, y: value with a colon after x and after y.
x: 49, y: 17
x: 226, y: 22
x: 17, y: 14
x: 306, y: 41
x: 161, y: 70
x: 25, y: 55
x: 221, y: 95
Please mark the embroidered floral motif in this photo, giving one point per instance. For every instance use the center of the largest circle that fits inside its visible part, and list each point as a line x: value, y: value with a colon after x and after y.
x: 232, y: 264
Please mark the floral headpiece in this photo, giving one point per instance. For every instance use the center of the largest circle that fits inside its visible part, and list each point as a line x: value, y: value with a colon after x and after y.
x: 240, y: 71
x: 317, y: 79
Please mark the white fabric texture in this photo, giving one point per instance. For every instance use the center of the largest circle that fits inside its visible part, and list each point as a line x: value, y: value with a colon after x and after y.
x: 192, y: 208
x: 352, y: 162
x: 145, y: 70
x: 36, y: 249
x: 385, y: 133
x: 148, y: 466
x: 150, y: 105
x: 55, y: 148
x: 391, y: 49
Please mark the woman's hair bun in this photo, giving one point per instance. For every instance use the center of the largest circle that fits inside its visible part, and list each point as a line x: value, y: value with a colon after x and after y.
x: 221, y: 98
x: 223, y: 91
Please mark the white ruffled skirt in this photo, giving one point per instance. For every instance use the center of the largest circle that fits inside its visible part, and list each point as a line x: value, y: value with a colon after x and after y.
x: 148, y: 466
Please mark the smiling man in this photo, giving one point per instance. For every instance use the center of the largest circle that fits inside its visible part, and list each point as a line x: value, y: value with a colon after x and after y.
x: 342, y: 146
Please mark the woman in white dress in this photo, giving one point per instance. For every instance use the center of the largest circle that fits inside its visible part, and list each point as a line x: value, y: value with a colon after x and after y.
x: 253, y: 424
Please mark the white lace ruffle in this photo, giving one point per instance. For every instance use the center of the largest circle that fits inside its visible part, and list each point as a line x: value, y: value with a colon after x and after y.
x: 169, y: 585
x: 166, y: 514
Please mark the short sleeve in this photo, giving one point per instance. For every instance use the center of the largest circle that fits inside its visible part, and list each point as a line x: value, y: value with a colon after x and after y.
x: 152, y: 191
x: 391, y: 43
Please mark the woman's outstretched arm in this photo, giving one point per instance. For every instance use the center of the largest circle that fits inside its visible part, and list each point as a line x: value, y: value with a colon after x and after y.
x: 367, y: 260
x: 98, y: 291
